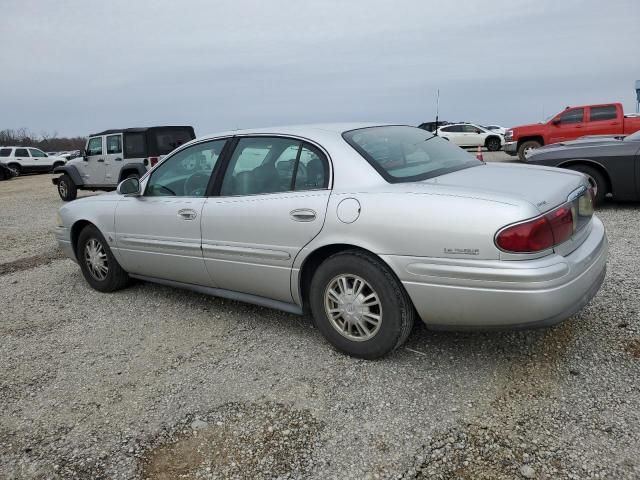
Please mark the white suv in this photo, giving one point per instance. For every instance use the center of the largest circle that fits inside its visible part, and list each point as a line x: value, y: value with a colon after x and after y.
x: 29, y: 160
x: 471, y: 135
x: 113, y: 155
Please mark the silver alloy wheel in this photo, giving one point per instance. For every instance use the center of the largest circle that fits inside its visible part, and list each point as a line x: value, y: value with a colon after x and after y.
x: 96, y: 259
x: 62, y: 188
x: 353, y: 307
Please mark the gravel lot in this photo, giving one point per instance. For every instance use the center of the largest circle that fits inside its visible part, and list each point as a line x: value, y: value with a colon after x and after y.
x: 152, y: 382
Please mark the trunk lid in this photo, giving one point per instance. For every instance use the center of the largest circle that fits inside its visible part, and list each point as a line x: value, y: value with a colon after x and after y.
x: 544, y: 187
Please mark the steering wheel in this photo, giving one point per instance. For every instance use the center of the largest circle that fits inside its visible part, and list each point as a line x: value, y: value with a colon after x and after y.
x: 196, y: 184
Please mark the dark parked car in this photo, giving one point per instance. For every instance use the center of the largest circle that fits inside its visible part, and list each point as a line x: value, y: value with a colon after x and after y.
x: 612, y: 164
x: 6, y: 173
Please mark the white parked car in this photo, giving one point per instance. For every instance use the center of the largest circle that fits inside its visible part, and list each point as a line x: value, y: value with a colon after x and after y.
x: 497, y: 129
x: 29, y: 160
x: 471, y: 135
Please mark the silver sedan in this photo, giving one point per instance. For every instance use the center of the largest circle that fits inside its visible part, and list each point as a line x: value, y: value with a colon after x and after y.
x: 367, y: 227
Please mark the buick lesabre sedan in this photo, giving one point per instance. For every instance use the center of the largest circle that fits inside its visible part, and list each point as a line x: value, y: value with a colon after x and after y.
x: 366, y: 227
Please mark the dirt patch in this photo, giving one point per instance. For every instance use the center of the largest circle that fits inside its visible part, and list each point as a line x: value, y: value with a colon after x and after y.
x: 251, y: 441
x: 31, y: 262
x: 633, y: 347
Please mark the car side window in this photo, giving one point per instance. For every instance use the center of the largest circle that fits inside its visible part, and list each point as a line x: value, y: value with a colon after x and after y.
x: 21, y: 152
x: 94, y: 147
x: 5, y: 152
x: 187, y: 172
x: 606, y: 112
x: 114, y: 144
x: 37, y: 153
x: 572, y: 116
x: 261, y: 165
x: 448, y: 129
x: 470, y: 129
x: 313, y: 170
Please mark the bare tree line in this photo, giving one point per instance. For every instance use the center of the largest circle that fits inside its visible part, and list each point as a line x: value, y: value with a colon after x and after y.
x: 22, y: 137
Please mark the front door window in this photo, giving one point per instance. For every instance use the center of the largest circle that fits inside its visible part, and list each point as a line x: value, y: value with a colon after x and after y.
x: 186, y: 173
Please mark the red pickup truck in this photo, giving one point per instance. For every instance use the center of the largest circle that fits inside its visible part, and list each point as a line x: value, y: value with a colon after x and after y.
x: 571, y: 123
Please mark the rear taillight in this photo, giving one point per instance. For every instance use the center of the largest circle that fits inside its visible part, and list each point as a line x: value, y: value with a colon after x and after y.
x: 540, y: 233
x: 153, y: 161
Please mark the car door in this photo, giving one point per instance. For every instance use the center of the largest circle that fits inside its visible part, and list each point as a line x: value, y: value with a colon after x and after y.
x: 568, y: 125
x: 273, y: 196
x: 22, y: 158
x: 39, y: 160
x: 113, y: 158
x: 158, y: 232
x: 473, y: 136
x: 92, y: 169
x: 603, y: 120
x: 453, y: 133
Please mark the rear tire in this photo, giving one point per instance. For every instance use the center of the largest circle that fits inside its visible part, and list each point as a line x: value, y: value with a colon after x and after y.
x: 348, y: 291
x: 67, y: 190
x: 17, y: 169
x: 596, y: 180
x: 99, y: 267
x: 525, y: 147
x: 493, y: 144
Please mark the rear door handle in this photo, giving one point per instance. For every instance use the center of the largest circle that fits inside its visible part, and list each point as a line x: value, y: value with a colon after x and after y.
x: 187, y: 214
x: 303, y: 215
x: 101, y: 160
x: 118, y: 159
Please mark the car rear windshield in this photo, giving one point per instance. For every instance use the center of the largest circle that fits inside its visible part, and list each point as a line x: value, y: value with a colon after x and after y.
x: 408, y: 154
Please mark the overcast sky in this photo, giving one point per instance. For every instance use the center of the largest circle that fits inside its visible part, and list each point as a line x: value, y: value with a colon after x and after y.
x: 75, y: 67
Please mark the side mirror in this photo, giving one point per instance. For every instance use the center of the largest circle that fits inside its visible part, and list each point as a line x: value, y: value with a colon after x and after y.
x: 85, y: 155
x: 129, y: 187
x: 555, y: 121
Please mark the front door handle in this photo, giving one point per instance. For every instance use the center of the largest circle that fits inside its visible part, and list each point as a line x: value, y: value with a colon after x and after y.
x: 303, y: 215
x: 187, y: 214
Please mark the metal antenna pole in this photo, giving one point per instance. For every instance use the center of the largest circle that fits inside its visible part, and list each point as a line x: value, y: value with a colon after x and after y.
x: 437, y: 110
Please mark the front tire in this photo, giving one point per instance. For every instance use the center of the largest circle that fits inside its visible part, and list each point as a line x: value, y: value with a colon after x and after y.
x: 99, y: 267
x: 493, y: 144
x: 359, y: 306
x: 596, y: 180
x: 524, y: 148
x: 67, y: 189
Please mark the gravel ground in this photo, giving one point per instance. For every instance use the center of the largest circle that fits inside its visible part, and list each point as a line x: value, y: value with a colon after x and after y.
x: 156, y: 383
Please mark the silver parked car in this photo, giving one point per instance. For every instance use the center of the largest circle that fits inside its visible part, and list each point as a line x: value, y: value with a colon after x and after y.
x: 365, y: 226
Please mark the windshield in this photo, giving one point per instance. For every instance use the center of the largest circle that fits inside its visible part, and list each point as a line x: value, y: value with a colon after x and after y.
x: 407, y: 154
x: 634, y: 137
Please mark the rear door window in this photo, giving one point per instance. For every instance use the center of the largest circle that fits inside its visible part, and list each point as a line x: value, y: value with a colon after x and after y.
x: 114, y: 144
x: 21, y: 152
x: 606, y: 112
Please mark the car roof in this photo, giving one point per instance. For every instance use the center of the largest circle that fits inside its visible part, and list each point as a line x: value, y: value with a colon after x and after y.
x: 305, y: 130
x: 136, y: 129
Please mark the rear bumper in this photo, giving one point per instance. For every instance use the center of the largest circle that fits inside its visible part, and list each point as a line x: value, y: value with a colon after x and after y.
x: 511, y: 148
x: 477, y: 294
